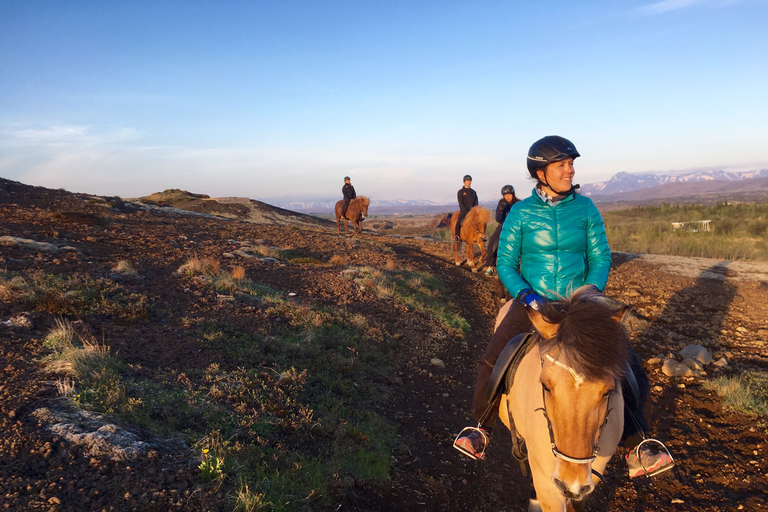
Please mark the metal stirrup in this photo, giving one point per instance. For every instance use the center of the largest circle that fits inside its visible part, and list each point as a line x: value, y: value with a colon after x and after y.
x: 484, y: 435
x: 640, y: 459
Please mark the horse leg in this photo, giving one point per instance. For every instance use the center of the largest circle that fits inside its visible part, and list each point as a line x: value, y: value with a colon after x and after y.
x: 471, y: 256
x: 456, y: 251
x: 338, y: 230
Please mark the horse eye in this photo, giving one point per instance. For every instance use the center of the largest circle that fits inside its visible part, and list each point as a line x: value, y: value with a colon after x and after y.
x: 546, y: 388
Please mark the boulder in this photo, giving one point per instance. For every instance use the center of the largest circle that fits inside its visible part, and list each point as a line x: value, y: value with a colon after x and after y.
x: 673, y: 368
x: 696, y: 352
x: 693, y: 364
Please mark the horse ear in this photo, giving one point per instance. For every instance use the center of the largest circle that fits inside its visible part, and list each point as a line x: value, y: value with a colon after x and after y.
x: 542, y: 326
x: 619, y: 315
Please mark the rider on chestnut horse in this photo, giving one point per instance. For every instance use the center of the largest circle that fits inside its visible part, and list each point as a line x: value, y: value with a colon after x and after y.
x: 467, y: 200
x: 348, y: 191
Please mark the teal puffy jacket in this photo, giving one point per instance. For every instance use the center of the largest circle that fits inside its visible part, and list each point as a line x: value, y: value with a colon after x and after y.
x: 553, y: 249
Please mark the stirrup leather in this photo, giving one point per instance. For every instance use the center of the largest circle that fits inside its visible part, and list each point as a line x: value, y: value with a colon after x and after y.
x: 640, y: 459
x: 485, y: 437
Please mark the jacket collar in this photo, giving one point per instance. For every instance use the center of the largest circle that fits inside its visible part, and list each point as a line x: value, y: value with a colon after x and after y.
x: 544, y: 198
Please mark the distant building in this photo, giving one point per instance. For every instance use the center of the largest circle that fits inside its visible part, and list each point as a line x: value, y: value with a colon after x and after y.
x: 695, y: 226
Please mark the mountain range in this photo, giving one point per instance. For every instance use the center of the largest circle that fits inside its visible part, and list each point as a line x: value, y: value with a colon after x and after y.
x: 629, y: 182
x: 624, y: 187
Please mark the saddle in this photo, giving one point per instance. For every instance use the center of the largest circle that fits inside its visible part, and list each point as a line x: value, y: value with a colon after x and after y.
x: 504, y: 373
x: 506, y: 365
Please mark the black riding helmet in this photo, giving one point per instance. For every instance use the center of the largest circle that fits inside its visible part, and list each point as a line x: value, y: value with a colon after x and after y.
x: 551, y: 148
x: 507, y: 189
x: 467, y: 177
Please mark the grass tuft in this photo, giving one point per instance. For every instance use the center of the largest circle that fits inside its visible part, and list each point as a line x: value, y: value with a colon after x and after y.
x: 746, y: 393
x: 124, y: 268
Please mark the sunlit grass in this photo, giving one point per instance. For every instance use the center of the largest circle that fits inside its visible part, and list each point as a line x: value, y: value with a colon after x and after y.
x: 747, y: 393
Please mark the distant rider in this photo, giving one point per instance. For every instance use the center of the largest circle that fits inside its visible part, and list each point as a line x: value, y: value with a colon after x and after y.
x: 348, y: 191
x: 502, y: 209
x: 467, y: 200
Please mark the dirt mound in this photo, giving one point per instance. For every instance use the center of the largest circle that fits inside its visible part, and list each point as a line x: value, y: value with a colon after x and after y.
x: 441, y: 221
x: 160, y: 321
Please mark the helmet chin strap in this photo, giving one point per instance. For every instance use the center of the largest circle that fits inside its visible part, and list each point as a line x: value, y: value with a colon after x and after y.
x: 550, y: 187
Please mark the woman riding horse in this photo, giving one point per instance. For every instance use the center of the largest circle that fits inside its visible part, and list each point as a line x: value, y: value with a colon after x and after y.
x: 551, y: 243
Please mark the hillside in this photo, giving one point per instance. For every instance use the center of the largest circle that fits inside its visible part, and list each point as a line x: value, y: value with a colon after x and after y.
x: 240, y: 208
x: 323, y: 372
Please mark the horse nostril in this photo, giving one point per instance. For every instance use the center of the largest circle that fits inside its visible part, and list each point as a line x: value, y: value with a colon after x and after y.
x: 561, y: 486
x: 567, y: 493
x: 585, y: 491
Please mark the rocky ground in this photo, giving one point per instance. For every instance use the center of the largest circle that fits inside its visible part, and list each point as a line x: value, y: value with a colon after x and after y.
x: 721, y: 456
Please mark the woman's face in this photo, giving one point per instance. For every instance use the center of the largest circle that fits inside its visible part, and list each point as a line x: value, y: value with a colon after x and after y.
x: 559, y: 175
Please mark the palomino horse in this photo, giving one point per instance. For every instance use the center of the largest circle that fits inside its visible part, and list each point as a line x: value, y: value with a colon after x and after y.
x: 566, y: 400
x: 472, y: 232
x: 356, y: 212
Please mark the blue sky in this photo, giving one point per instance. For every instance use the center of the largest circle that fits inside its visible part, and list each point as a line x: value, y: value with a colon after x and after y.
x: 279, y: 100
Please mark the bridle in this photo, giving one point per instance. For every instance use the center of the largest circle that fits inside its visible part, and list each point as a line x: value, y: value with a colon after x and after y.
x: 475, y: 223
x: 558, y: 454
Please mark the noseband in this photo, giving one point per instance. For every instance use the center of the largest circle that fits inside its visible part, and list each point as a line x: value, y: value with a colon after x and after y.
x: 579, y: 379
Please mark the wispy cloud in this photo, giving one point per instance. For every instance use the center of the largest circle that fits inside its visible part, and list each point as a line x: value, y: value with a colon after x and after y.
x: 115, y: 162
x: 675, y: 5
x: 62, y: 135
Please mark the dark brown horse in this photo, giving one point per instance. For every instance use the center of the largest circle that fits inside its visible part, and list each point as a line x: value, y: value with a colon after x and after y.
x: 356, y: 212
x: 472, y: 232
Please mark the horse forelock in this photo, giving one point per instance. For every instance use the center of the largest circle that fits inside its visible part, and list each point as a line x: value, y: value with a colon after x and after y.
x: 588, y: 338
x: 363, y: 200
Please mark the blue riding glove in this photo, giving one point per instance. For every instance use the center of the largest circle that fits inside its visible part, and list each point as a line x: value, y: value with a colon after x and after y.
x: 589, y: 290
x: 531, y: 299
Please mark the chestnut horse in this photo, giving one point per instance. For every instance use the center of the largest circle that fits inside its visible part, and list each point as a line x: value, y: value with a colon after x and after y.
x: 565, y: 400
x: 356, y: 212
x: 472, y: 232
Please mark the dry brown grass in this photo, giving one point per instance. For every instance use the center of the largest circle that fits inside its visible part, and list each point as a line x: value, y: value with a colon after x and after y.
x: 238, y: 273
x: 390, y: 265
x: 124, y: 268
x: 338, y: 259
x: 195, y: 265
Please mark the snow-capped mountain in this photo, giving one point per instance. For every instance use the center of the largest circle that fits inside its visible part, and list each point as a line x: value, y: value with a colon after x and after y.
x: 628, y: 182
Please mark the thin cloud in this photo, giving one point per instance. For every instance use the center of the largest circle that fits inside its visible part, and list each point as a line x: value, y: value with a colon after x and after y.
x: 63, y: 135
x: 675, y: 5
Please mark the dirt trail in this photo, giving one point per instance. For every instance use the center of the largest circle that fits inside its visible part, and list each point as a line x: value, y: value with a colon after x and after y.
x: 722, y: 461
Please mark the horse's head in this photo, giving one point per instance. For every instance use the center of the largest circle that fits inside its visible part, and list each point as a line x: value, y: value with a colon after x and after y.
x: 479, y: 217
x: 584, y: 350
x: 364, y: 203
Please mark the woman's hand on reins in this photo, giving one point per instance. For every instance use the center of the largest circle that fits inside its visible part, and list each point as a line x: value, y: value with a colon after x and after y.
x: 531, y: 299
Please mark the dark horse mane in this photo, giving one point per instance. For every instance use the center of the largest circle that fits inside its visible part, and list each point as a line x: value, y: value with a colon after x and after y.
x: 590, y: 340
